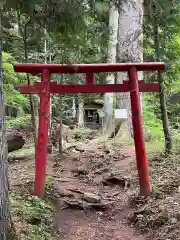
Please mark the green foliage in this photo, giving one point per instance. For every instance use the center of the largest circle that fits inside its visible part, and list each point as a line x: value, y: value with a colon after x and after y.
x: 14, y: 100
x: 37, y: 210
x: 176, y: 141
x: 152, y: 125
x: 23, y: 153
x: 153, y: 128
x: 35, y: 207
x: 82, y: 133
x: 39, y: 233
x: 79, y: 32
x: 49, y: 181
x: 21, y: 122
x: 9, y: 76
x: 167, y: 15
x: 62, y: 106
x: 75, y: 32
x: 37, y: 214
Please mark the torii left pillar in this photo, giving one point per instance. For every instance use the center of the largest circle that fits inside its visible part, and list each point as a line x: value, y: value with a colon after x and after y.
x: 41, y: 153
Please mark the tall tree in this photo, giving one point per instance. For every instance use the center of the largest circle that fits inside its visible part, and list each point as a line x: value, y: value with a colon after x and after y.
x: 163, y: 106
x: 80, y: 110
x: 24, y: 29
x: 4, y: 214
x: 162, y: 24
x: 129, y: 47
x: 109, y: 97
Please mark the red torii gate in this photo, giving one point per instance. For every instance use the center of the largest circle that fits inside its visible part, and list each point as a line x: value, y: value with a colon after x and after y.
x: 45, y: 87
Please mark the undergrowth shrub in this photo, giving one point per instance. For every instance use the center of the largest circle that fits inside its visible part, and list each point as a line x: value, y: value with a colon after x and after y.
x: 37, y: 214
x: 176, y: 140
x: 152, y: 125
x: 82, y: 133
x: 154, y: 129
x: 21, y: 122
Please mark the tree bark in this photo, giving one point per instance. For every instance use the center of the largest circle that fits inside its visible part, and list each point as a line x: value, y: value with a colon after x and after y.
x: 60, y: 137
x: 129, y: 47
x: 60, y: 123
x: 80, y: 111
x: 162, y: 95
x: 109, y: 97
x: 24, y: 36
x: 4, y: 212
x: 46, y: 61
x: 60, y: 130
x: 33, y: 118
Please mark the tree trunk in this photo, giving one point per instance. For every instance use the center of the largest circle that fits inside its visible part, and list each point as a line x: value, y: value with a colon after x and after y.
x: 129, y: 47
x: 33, y: 118
x: 60, y: 128
x: 4, y: 213
x: 24, y: 36
x: 109, y: 97
x: 73, y: 108
x: 45, y: 61
x: 163, y: 106
x: 80, y: 111
x: 61, y: 118
x: 60, y: 137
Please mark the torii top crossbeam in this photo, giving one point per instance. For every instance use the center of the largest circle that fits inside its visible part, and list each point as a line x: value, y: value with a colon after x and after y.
x: 85, y: 68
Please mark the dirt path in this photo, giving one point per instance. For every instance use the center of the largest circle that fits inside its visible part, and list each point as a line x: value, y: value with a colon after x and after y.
x: 83, y: 172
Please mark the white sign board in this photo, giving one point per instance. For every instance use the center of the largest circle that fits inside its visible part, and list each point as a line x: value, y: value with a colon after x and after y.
x: 120, y: 113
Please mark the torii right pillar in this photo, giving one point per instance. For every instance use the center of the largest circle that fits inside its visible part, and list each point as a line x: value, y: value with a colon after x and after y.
x: 139, y: 140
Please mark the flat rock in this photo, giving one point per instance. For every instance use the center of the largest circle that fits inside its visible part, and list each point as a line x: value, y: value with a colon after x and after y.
x: 74, y: 204
x: 80, y: 171
x: 117, y: 180
x: 65, y: 193
x: 15, y: 140
x: 102, y: 170
x: 102, y: 206
x: 173, y: 220
x: 91, y: 197
x: 79, y: 148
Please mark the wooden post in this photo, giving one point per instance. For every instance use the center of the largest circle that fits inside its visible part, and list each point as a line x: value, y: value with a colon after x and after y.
x: 141, y: 157
x: 41, y: 153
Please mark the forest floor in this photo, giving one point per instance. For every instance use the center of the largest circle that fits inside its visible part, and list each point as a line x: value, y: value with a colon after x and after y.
x: 94, y: 189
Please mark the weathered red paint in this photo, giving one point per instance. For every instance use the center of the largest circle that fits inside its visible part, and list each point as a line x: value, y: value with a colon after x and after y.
x: 84, y: 68
x: 88, y: 88
x: 89, y: 78
x: 41, y: 151
x: 141, y: 157
x: 133, y: 86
